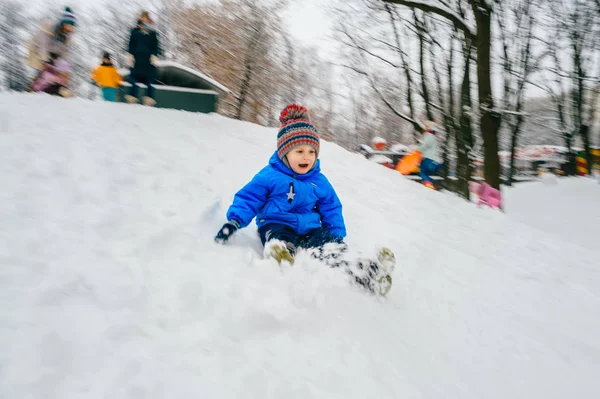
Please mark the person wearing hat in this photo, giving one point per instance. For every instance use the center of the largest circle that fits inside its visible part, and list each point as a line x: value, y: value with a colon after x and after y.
x: 284, y: 195
x: 53, y: 37
x: 107, y: 78
x: 142, y: 55
x: 431, y: 161
x: 296, y: 207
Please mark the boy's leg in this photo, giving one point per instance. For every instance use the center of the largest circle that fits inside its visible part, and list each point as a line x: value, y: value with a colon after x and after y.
x: 109, y: 94
x: 324, y: 246
x: 372, y: 274
x: 424, y: 170
x: 317, y: 238
x: 276, y: 231
x: 52, y: 89
x: 279, y: 241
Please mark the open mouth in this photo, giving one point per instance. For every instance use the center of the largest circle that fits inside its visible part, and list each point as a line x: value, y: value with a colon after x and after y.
x: 303, y: 165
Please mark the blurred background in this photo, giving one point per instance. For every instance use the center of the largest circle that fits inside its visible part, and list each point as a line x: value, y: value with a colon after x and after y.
x: 512, y: 87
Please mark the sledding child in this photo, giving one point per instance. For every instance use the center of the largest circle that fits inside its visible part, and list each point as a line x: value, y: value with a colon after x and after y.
x: 431, y: 161
x: 53, y: 78
x: 107, y: 78
x: 296, y: 207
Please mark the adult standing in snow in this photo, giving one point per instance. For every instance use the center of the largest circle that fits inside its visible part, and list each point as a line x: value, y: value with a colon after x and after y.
x: 52, y: 38
x: 431, y: 159
x: 143, y: 52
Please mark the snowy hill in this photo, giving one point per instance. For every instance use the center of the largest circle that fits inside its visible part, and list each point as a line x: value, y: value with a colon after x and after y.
x: 111, y: 284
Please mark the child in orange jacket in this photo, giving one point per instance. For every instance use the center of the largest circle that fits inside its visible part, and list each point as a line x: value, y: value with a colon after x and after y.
x: 107, y: 78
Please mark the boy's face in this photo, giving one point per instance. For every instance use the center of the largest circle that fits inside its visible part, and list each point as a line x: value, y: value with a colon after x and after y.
x: 106, y: 60
x: 302, y: 158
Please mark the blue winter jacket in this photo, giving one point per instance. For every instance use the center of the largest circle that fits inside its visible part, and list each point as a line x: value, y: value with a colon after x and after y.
x: 278, y: 195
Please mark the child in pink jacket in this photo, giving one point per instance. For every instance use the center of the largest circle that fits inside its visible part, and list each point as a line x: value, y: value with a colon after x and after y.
x: 54, y: 78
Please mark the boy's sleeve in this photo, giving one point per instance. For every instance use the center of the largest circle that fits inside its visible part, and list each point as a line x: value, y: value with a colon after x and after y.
x: 95, y: 75
x: 330, y: 209
x: 250, y: 199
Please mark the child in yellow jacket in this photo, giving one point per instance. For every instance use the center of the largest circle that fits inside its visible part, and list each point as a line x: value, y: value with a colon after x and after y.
x: 107, y: 78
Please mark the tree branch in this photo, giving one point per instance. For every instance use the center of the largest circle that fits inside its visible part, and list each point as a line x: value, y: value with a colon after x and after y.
x: 441, y: 10
x: 416, y: 124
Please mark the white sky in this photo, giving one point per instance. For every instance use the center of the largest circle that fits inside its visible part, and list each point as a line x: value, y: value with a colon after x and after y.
x: 306, y: 19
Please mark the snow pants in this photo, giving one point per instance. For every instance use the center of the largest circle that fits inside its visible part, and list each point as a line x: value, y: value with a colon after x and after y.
x: 109, y: 94
x: 313, y: 239
x: 428, y: 167
x: 146, y: 79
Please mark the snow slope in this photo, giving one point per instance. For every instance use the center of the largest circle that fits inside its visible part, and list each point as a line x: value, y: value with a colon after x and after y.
x: 567, y: 207
x: 111, y: 285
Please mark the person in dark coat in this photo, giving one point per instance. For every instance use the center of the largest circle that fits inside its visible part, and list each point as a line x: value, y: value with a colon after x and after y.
x: 143, y: 52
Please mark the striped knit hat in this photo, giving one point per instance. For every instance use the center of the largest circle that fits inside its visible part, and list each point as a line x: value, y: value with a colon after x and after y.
x: 68, y: 18
x: 295, y: 130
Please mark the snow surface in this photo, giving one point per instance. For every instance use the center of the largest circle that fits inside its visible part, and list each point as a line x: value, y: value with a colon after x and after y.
x: 111, y: 285
x: 566, y: 207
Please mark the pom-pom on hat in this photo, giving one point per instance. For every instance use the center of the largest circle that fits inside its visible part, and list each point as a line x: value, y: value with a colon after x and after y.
x: 295, y: 130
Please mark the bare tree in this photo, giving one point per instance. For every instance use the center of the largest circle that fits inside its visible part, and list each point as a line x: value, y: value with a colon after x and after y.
x: 371, y: 52
x: 233, y: 42
x: 516, y: 22
x: 481, y: 36
x: 12, y: 20
x: 574, y: 83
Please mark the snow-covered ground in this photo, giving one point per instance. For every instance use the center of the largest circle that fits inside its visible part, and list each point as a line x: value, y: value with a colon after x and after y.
x: 111, y: 285
x: 566, y: 207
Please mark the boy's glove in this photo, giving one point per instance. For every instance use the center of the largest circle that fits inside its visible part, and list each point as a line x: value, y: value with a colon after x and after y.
x: 227, y: 231
x: 153, y: 60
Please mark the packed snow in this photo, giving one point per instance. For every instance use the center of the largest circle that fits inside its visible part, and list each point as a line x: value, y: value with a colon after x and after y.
x: 568, y: 208
x: 111, y: 285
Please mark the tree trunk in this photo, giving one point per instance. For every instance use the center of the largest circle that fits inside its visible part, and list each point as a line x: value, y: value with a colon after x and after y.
x: 248, y: 71
x: 584, y: 132
x: 516, y: 129
x: 464, y: 134
x: 447, y: 110
x: 490, y: 119
x: 243, y: 91
x: 424, y: 89
x: 406, y: 69
x: 571, y: 156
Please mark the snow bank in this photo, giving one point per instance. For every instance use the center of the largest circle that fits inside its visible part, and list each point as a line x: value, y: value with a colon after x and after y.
x: 111, y: 284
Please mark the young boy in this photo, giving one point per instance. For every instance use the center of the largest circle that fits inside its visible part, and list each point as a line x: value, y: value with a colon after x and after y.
x: 295, y: 205
x: 107, y: 78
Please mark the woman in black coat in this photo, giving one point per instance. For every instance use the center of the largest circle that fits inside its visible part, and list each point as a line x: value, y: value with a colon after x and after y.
x: 144, y: 50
